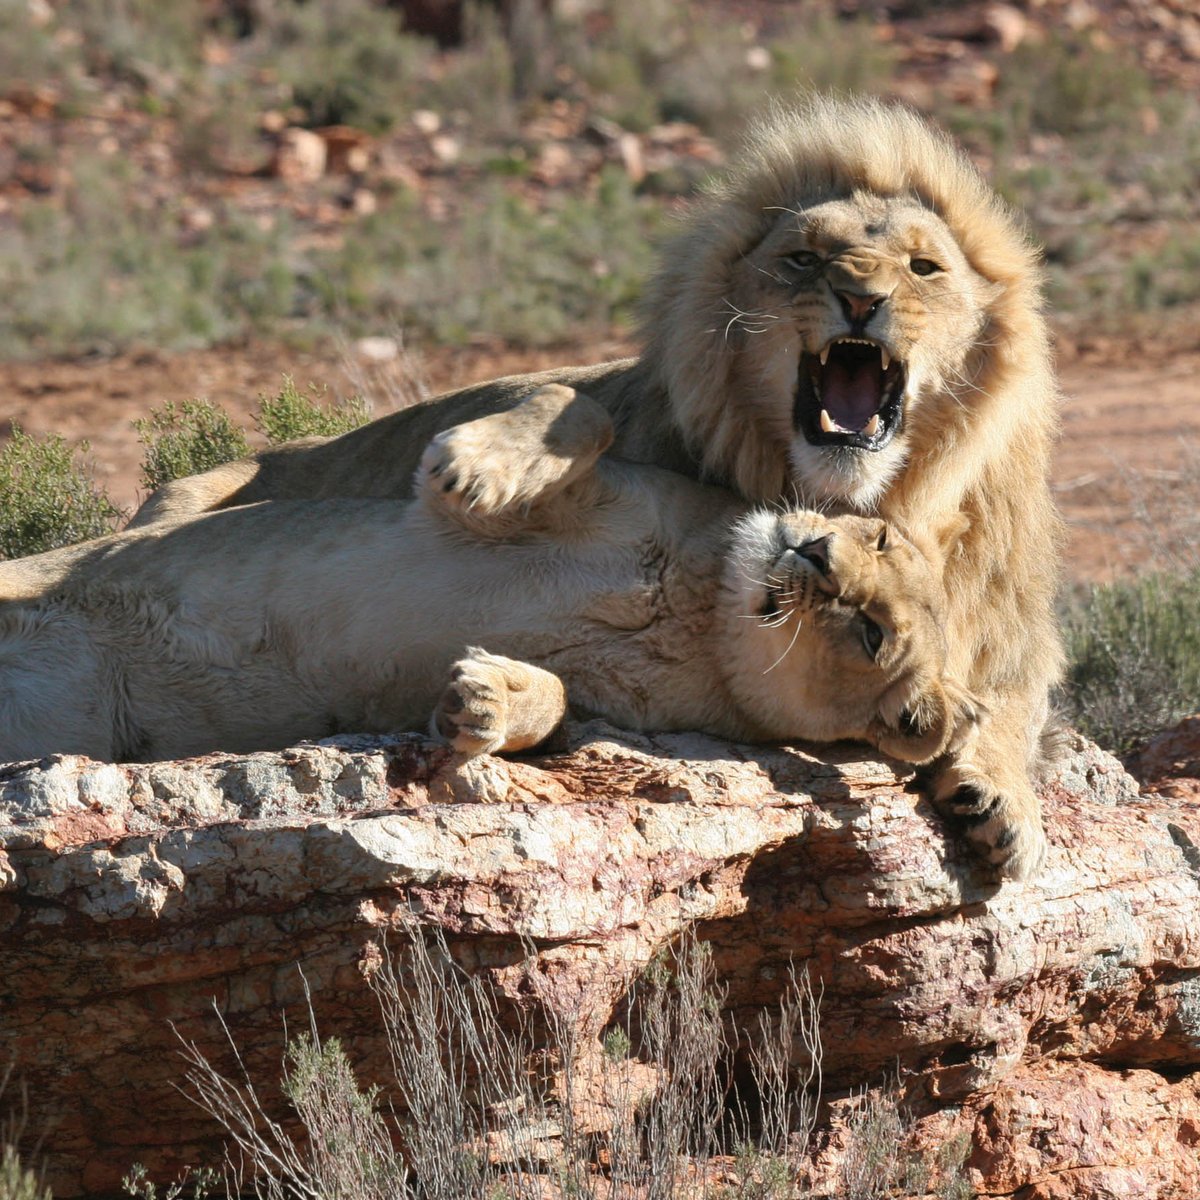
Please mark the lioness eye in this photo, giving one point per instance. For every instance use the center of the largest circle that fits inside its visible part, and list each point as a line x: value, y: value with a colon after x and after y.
x: 923, y: 266
x: 872, y: 636
x: 803, y: 260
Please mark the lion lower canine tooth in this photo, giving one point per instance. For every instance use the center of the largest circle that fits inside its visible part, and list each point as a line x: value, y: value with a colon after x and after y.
x: 827, y: 422
x: 871, y: 428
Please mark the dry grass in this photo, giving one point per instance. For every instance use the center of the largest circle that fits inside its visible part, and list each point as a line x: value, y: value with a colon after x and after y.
x: 477, y: 1106
x: 1133, y: 645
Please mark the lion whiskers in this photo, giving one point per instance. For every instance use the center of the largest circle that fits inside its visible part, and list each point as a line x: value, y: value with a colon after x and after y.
x: 743, y: 318
x: 788, y: 649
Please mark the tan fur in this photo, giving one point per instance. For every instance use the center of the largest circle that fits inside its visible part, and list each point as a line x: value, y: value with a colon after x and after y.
x: 726, y: 324
x: 624, y: 588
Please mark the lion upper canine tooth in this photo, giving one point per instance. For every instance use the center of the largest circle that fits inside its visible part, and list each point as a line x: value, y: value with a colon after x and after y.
x: 825, y: 355
x: 871, y: 428
x: 885, y: 358
x: 827, y: 424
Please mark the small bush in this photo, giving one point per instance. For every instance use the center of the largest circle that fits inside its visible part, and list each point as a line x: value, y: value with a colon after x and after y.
x: 871, y: 1168
x: 341, y: 61
x: 17, y: 1182
x: 291, y: 414
x: 1134, y: 657
x: 47, y: 499
x: 1069, y: 85
x: 647, y: 65
x: 195, y: 1185
x: 195, y: 437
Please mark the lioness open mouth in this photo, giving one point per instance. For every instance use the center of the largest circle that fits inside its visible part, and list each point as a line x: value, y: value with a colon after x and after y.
x: 849, y: 395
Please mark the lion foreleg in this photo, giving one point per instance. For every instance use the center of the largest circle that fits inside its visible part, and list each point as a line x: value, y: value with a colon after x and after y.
x: 493, y: 703
x: 988, y: 790
x: 491, y: 473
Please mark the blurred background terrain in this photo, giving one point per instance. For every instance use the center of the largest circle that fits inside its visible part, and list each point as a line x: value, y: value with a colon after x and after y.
x: 389, y: 199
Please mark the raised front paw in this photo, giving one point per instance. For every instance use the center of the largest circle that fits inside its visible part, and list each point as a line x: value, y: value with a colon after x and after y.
x: 1003, y: 825
x: 509, y: 460
x: 472, y: 714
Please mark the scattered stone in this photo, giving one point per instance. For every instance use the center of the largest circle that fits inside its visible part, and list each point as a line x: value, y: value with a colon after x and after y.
x: 348, y: 150
x: 446, y: 148
x: 195, y: 218
x: 377, y: 349
x: 758, y: 58
x: 300, y: 156
x: 427, y: 121
x: 363, y: 202
x: 1006, y: 25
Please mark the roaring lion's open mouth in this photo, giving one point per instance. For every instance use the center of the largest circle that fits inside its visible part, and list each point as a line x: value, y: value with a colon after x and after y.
x: 850, y: 394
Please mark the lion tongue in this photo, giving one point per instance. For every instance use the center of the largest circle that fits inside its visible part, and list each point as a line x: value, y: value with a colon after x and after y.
x: 851, y: 391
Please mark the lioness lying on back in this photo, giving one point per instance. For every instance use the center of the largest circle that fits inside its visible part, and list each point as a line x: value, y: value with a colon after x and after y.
x: 256, y: 627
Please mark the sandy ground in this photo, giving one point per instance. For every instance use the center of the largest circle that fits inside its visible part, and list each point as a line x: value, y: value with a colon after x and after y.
x: 1127, y: 474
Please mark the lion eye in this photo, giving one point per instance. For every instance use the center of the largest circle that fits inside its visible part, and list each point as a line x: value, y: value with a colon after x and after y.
x: 872, y: 636
x: 882, y: 543
x: 803, y: 260
x: 923, y: 266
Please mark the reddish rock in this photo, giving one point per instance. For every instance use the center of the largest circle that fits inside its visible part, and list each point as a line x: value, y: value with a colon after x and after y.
x: 1059, y: 1021
x: 1169, y: 764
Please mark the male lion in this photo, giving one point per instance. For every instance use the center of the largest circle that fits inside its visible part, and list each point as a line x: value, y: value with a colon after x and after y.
x: 627, y: 585
x: 852, y: 318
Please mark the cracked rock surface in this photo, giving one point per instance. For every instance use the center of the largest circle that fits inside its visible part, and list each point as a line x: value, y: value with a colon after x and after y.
x: 1057, y: 1022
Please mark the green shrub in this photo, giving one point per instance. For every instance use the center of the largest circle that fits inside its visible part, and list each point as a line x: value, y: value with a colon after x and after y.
x: 29, y: 54
x: 1070, y: 85
x: 47, y: 499
x: 143, y: 42
x: 1134, y: 657
x: 113, y: 268
x: 648, y: 65
x: 291, y: 414
x: 341, y: 61
x: 195, y: 437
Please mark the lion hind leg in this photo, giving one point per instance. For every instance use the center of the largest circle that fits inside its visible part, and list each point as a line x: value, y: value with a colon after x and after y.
x: 489, y: 473
x: 195, y: 494
x: 493, y: 704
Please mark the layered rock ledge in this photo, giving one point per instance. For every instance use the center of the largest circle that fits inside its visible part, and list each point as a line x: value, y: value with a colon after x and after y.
x: 1058, y: 1021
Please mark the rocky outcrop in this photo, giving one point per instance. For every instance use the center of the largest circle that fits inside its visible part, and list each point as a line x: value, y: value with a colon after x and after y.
x: 1058, y: 1022
x: 1170, y: 763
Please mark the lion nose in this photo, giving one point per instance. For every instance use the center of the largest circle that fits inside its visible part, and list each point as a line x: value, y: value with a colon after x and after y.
x: 816, y: 552
x: 859, y: 307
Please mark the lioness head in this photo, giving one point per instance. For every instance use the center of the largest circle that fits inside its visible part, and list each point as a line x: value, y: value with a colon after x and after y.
x: 850, y: 300
x: 843, y: 634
